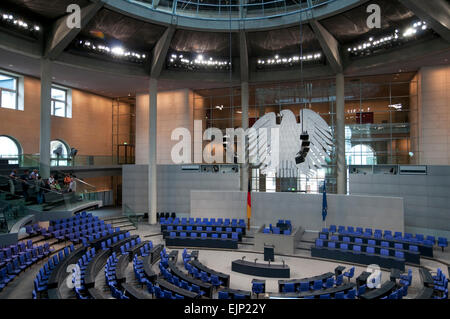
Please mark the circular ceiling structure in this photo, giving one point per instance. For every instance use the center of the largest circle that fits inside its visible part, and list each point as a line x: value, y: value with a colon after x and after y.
x: 234, y: 15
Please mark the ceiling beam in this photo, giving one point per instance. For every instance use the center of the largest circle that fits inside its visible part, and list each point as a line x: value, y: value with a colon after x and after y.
x: 160, y: 52
x: 436, y: 13
x: 61, y: 35
x: 329, y: 44
x: 243, y: 56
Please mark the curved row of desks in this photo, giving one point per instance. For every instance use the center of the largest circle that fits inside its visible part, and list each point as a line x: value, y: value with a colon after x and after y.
x: 358, y: 258
x: 309, y: 280
x: 385, y: 290
x: 316, y: 293
x: 260, y: 270
x: 423, y: 249
x: 205, y: 286
x: 97, y: 263
x: 59, y: 273
x: 225, y: 278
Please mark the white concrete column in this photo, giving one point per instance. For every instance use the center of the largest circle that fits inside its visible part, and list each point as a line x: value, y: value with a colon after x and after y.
x: 340, y: 136
x: 244, y: 109
x: 45, y: 124
x: 152, y: 139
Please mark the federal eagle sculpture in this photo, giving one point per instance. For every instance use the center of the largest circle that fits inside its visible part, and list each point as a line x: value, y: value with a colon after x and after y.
x: 302, y: 147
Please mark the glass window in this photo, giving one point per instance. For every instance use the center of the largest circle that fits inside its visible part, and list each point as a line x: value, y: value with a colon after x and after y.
x: 59, y: 102
x: 9, y: 150
x: 58, y: 153
x: 8, y: 91
x: 361, y: 155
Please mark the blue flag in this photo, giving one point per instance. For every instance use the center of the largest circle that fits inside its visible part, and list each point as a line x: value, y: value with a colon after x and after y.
x: 324, y: 202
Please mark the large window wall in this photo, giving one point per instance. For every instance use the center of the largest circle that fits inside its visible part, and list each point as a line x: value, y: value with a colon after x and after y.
x: 377, y: 121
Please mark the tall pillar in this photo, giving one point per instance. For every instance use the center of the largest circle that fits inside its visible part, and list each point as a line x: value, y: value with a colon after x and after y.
x: 340, y: 136
x: 152, y: 187
x: 45, y: 124
x: 244, y: 109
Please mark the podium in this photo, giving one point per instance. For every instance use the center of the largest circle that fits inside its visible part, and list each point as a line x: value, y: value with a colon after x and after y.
x: 269, y: 254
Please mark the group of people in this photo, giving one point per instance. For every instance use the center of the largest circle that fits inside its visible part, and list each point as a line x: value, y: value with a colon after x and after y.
x: 32, y: 182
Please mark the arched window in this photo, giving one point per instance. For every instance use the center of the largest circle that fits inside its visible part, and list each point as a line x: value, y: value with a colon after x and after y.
x: 361, y: 154
x: 10, y: 149
x: 62, y: 147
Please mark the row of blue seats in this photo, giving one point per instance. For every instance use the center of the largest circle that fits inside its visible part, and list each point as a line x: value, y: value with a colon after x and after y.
x: 226, y: 295
x: 276, y: 230
x: 41, y: 280
x: 82, y: 215
x: 33, y: 230
x: 110, y: 241
x: 86, y: 229
x: 317, y: 285
x: 203, y: 228
x: 234, y: 236
x: 78, y: 273
x: 205, y: 221
x: 201, y: 275
x: 152, y: 289
x: 13, y: 251
x: 80, y: 223
x: 378, y: 233
x: 358, y: 249
x: 124, y: 249
x: 91, y: 234
x: 19, y: 263
x: 111, y: 277
x: 370, y: 242
x: 87, y: 225
x: 398, y: 293
x: 175, y: 280
x: 440, y: 286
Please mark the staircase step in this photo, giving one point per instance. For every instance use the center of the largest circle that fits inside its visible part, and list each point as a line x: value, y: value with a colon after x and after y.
x: 114, y: 218
x: 122, y: 224
x: 128, y: 228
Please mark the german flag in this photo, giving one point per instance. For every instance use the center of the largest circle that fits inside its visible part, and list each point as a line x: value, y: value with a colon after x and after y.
x: 249, y: 204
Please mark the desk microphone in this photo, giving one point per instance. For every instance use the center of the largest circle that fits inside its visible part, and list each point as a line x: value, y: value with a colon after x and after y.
x: 283, y: 262
x: 269, y: 262
x: 256, y: 260
x: 243, y: 257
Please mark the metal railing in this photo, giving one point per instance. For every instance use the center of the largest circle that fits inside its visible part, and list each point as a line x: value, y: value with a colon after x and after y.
x: 232, y: 9
x: 132, y: 216
x: 30, y: 160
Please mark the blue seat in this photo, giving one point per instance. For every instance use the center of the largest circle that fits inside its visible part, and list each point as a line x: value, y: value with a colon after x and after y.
x: 339, y: 295
x: 413, y: 248
x: 399, y: 254
x: 339, y: 280
x: 346, y: 239
x: 239, y: 296
x: 384, y: 252
x: 371, y: 242
x: 329, y: 283
x: 223, y: 295
x: 358, y: 240
x: 344, y: 246
x: 304, y: 286
x: 384, y: 244
x: 351, y: 294
x: 257, y: 288
x: 317, y: 285
x: 370, y: 250
x: 361, y: 290
x: 356, y: 249
x: 331, y: 244
x: 332, y: 228
x: 193, y: 235
x: 289, y: 287
x: 349, y: 274
x: 398, y: 246
x: 319, y: 243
